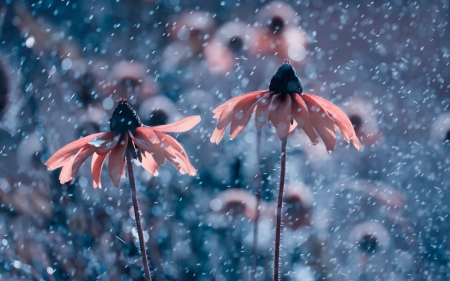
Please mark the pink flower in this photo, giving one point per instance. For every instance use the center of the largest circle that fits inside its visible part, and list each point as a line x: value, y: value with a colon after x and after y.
x: 285, y: 105
x: 127, y: 137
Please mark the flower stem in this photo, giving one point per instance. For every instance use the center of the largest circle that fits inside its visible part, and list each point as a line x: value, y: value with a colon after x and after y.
x: 276, y: 261
x: 257, y: 195
x: 137, y: 215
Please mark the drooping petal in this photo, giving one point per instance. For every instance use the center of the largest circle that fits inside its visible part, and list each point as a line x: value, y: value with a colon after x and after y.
x: 116, y: 162
x: 300, y: 114
x: 232, y: 102
x: 96, y: 168
x: 62, y: 156
x: 241, y: 115
x: 227, y: 114
x: 182, y: 125
x: 105, y: 143
x: 149, y: 164
x: 177, y: 160
x: 322, y: 123
x: 66, y: 172
x: 179, y: 155
x: 262, y: 110
x: 147, y: 140
x: 217, y: 135
x: 280, y: 114
x: 70, y: 170
x: 227, y: 111
x: 339, y: 118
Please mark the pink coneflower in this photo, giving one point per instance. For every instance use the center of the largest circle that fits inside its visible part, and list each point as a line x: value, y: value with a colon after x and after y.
x: 285, y: 105
x: 127, y: 139
x: 149, y: 145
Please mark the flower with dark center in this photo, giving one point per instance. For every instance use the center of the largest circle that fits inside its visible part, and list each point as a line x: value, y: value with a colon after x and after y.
x: 370, y: 237
x: 127, y: 137
x: 285, y: 105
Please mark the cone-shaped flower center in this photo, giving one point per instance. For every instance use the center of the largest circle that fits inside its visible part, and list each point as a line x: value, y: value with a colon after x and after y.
x: 286, y: 81
x: 124, y: 118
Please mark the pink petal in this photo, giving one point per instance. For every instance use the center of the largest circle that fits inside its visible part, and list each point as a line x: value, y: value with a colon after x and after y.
x: 62, y: 156
x: 300, y: 114
x: 233, y: 101
x: 262, y: 111
x: 96, y: 168
x: 116, y: 162
x: 280, y: 114
x: 217, y: 135
x: 241, y: 115
x: 227, y: 114
x: 293, y: 126
x: 149, y: 164
x: 70, y: 170
x: 105, y: 143
x: 66, y: 171
x: 147, y: 140
x: 322, y: 123
x: 339, y: 118
x: 182, y: 125
x: 180, y: 154
x: 176, y: 159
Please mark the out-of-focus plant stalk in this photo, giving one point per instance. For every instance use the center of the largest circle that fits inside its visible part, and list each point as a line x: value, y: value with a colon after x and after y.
x: 257, y: 195
x: 276, y: 260
x: 137, y: 215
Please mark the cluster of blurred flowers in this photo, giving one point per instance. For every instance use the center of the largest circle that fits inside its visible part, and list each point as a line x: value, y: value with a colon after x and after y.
x: 64, y: 64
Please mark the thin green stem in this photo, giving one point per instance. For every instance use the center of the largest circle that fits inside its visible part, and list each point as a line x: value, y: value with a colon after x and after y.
x: 276, y: 261
x: 137, y: 215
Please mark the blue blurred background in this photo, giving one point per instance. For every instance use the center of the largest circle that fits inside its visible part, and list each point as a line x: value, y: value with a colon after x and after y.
x: 378, y: 214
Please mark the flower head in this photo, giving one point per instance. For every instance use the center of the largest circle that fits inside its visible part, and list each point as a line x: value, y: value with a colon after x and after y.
x: 127, y: 137
x: 285, y: 105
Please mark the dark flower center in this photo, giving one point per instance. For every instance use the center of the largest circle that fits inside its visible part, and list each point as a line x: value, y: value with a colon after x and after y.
x: 356, y: 122
x: 86, y: 84
x: 124, y: 118
x: 236, y: 44
x: 368, y: 243
x: 286, y: 81
x: 447, y: 137
x: 196, y: 34
x: 293, y: 206
x: 276, y: 24
x: 157, y: 118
